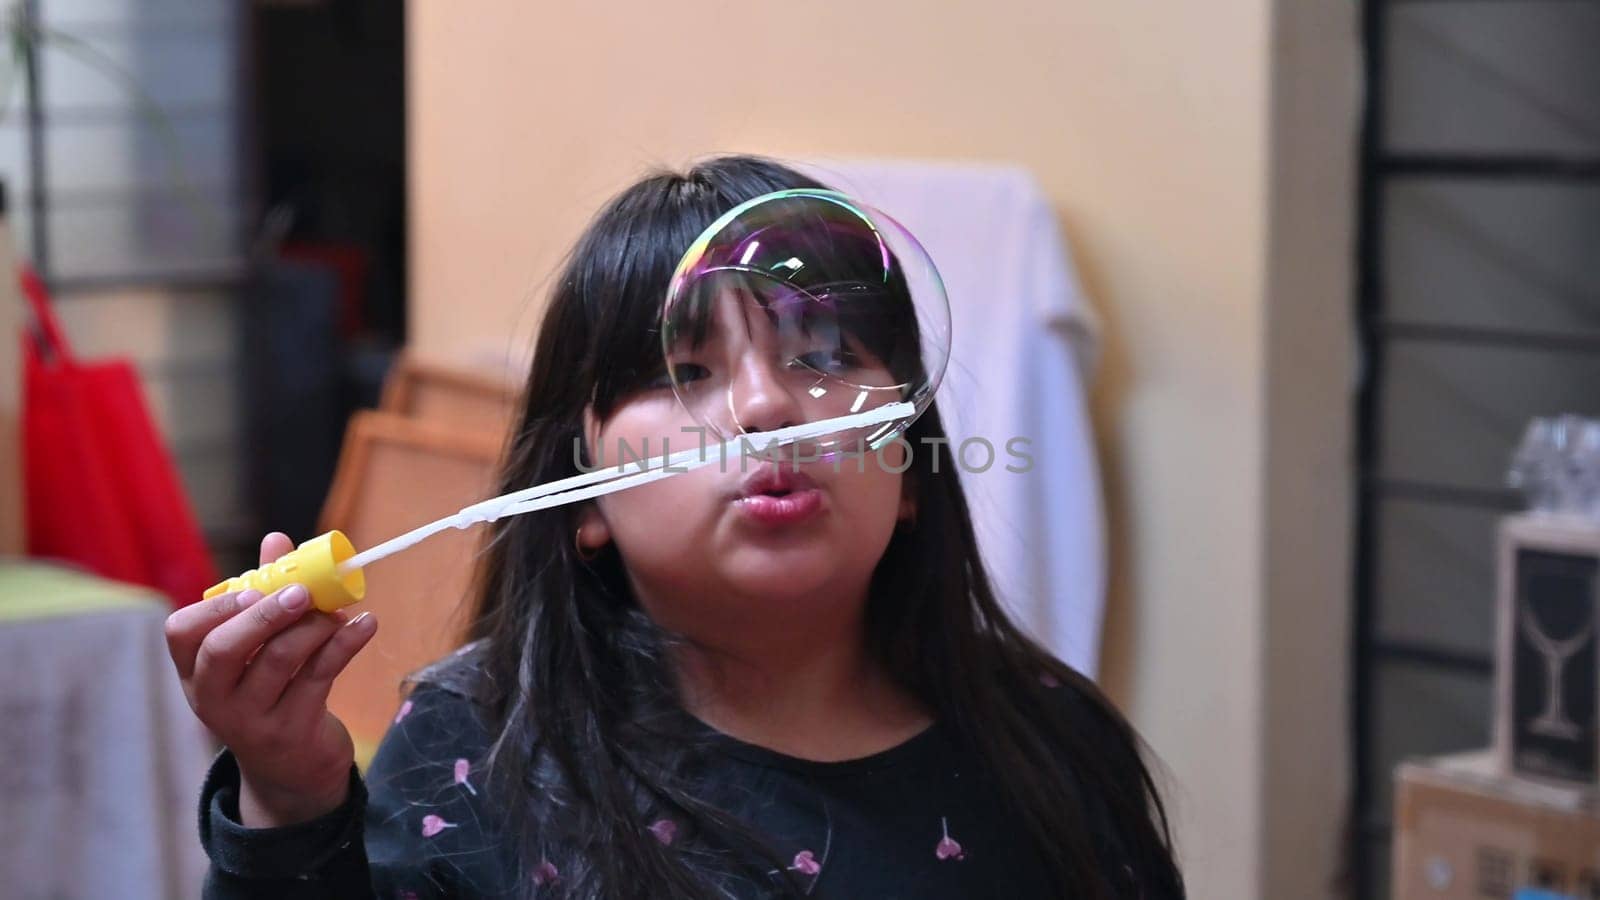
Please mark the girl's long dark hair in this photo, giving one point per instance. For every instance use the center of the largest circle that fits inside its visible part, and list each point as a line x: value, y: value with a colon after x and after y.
x: 574, y: 676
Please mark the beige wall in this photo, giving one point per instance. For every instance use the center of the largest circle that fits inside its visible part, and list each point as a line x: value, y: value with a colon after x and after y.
x: 1147, y: 122
x: 1308, y: 522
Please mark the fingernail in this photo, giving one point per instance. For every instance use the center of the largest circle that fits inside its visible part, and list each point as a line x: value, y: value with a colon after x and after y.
x: 358, y: 619
x: 246, y: 598
x: 294, y: 598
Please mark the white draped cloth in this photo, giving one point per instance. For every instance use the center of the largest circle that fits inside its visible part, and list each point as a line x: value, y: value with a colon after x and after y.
x: 1024, y: 340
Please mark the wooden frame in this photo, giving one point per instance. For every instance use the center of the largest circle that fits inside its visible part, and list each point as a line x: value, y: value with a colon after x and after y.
x: 419, y: 389
x: 369, y: 428
x: 420, y: 598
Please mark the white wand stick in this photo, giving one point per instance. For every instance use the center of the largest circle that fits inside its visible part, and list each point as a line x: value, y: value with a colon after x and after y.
x: 618, y: 478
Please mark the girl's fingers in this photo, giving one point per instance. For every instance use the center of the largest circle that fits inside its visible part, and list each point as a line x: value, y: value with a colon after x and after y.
x: 275, y: 545
x: 187, y: 627
x: 308, y: 692
x: 221, y: 659
x: 280, y: 657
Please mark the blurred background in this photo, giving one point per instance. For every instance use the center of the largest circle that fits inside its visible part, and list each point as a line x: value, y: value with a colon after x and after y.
x: 1319, y: 263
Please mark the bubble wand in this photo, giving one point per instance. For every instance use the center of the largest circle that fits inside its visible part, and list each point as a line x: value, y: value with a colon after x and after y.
x: 824, y: 267
x: 331, y: 569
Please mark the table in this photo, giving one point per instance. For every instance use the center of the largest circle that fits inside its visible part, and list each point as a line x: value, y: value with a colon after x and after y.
x: 101, y: 759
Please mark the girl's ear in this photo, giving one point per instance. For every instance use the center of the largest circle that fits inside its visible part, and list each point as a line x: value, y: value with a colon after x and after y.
x: 593, y: 533
x: 907, y: 514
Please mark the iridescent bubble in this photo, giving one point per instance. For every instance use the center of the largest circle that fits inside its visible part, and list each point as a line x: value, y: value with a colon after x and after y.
x: 804, y: 305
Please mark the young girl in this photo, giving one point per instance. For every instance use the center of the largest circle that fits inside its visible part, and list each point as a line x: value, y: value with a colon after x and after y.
x: 669, y: 693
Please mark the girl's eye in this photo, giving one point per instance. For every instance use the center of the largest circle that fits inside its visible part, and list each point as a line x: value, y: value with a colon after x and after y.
x: 683, y: 373
x: 837, y: 359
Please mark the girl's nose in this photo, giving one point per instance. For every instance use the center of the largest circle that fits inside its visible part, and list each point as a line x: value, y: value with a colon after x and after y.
x: 759, y: 397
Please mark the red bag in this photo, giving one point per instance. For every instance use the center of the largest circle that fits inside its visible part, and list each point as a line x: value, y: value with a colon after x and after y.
x: 102, y: 491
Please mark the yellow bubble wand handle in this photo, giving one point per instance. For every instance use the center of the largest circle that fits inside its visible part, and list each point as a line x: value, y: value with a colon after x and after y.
x: 314, y: 564
x: 331, y: 569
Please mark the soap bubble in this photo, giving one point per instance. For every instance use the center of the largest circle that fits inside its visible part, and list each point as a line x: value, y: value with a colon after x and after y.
x: 804, y: 305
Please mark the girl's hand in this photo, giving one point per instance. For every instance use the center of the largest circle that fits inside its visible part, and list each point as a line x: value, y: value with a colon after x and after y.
x: 257, y: 671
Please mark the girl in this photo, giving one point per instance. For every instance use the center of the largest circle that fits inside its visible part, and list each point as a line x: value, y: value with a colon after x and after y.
x: 672, y: 691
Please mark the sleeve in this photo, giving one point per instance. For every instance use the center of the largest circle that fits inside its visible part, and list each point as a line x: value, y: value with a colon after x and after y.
x: 403, y: 832
x: 322, y: 858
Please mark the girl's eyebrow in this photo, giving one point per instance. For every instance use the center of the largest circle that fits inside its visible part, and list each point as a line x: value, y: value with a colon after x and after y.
x: 788, y: 308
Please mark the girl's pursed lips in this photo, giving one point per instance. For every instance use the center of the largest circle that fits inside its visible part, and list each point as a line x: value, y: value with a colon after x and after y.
x: 775, y: 480
x: 782, y: 509
x: 779, y: 494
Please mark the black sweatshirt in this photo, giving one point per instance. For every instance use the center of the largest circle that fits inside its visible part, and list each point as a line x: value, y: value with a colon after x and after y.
x: 919, y: 820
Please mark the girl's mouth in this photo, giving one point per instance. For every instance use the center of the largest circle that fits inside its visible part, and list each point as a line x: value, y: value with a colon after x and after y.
x: 779, y: 495
x: 783, y: 507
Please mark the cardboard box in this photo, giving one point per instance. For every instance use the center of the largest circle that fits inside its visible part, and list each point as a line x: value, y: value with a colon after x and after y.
x: 1463, y: 831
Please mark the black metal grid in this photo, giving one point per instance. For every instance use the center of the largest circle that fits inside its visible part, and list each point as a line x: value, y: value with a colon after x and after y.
x: 226, y: 278
x: 42, y: 202
x: 1380, y: 167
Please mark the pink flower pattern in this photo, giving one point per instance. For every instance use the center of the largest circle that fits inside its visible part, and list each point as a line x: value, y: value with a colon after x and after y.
x: 463, y: 768
x: 948, y: 848
x: 545, y: 873
x: 432, y: 825
x: 664, y: 830
x: 805, y: 863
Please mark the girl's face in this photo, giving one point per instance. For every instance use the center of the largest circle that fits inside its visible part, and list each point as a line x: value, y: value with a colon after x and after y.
x: 751, y: 538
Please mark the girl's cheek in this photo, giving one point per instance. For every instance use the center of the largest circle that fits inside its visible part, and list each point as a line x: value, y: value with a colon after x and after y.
x: 669, y: 506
